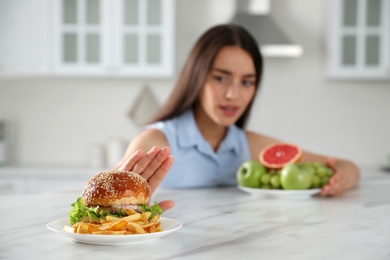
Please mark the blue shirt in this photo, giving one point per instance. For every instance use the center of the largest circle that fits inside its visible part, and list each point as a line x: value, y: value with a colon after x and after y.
x: 196, y: 164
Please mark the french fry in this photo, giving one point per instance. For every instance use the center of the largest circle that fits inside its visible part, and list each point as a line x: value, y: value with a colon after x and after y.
x: 114, y: 226
x: 152, y: 228
x: 148, y: 225
x: 137, y: 229
x: 133, y: 217
x: 145, y: 216
x: 69, y: 229
x: 111, y: 218
x: 82, y: 228
x: 154, y: 219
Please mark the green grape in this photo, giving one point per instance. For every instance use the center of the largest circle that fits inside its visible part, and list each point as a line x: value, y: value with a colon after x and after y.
x: 272, y: 171
x: 309, y: 167
x: 317, y: 164
x: 265, y: 186
x: 265, y: 178
x: 316, y: 181
x: 329, y: 171
x: 324, y: 181
x: 275, y: 181
x: 324, y: 171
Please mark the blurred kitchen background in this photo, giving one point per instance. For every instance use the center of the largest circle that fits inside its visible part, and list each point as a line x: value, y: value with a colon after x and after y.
x: 79, y: 77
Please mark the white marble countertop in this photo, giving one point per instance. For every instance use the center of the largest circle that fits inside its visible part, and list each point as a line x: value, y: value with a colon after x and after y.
x: 223, y: 223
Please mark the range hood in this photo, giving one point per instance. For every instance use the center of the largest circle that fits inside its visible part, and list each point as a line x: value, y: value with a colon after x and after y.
x: 254, y: 15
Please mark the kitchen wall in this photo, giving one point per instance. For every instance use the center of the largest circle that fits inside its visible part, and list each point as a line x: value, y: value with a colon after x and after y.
x: 61, y: 121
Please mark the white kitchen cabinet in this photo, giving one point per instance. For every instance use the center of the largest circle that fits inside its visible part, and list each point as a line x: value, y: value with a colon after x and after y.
x: 23, y: 37
x: 115, y: 38
x: 15, y: 180
x: 32, y: 185
x: 87, y: 37
x: 359, y: 39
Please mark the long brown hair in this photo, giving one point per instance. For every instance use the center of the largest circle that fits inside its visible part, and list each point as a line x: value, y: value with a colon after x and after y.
x: 199, y: 63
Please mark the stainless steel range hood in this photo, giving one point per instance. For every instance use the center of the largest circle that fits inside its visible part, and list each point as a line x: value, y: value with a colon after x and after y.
x: 254, y: 15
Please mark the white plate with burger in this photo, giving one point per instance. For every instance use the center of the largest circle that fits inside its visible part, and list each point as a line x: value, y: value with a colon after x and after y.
x: 120, y: 200
x: 168, y: 226
x: 285, y: 194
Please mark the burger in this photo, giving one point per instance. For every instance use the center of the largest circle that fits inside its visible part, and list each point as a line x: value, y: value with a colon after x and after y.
x: 113, y: 193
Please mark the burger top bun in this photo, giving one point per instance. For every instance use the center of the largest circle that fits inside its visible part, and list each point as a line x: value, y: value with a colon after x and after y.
x: 116, y: 187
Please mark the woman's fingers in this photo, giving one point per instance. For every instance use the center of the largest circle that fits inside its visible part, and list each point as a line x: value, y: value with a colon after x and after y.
x: 141, y: 165
x: 166, y: 204
x: 152, y: 166
x: 155, y: 164
x: 131, y: 161
x: 334, y: 186
x: 158, y: 176
x: 330, y: 162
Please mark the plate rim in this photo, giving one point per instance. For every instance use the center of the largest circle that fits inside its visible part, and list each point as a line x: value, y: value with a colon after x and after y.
x: 279, y: 191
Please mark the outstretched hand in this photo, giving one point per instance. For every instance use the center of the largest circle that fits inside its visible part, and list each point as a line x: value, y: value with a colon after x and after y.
x: 338, y: 182
x: 152, y: 166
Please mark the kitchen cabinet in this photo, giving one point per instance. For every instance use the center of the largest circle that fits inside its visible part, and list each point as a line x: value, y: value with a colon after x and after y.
x: 117, y: 38
x: 15, y: 180
x: 32, y: 185
x: 87, y: 37
x: 23, y: 37
x: 359, y: 39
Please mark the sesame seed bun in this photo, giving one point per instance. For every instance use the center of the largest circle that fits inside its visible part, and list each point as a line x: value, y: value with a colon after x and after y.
x: 116, y: 187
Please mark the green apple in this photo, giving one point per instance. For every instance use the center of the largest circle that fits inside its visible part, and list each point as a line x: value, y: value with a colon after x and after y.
x: 295, y: 177
x: 249, y: 174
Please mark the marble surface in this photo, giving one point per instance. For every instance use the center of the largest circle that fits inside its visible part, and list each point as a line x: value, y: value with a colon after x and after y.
x: 223, y: 223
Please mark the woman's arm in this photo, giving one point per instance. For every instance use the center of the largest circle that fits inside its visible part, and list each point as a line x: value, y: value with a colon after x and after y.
x: 346, y: 174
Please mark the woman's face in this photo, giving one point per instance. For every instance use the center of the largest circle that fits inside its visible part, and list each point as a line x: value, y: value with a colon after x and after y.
x: 229, y: 86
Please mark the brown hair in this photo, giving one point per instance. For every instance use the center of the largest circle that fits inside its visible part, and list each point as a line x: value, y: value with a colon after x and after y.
x: 198, y: 65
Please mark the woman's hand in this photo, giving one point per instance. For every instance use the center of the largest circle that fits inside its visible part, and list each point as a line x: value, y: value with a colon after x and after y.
x: 152, y: 166
x: 343, y: 179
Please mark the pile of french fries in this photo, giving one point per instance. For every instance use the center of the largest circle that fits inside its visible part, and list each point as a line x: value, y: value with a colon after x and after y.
x: 134, y: 223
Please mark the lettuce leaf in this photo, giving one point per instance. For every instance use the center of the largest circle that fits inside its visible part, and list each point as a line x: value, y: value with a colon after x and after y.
x: 80, y: 212
x: 155, y: 209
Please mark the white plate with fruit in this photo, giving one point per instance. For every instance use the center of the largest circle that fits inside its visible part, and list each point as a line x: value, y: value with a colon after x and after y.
x: 278, y: 173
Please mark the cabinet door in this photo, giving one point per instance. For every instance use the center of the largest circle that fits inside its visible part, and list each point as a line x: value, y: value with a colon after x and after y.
x: 23, y: 37
x: 144, y: 37
x: 79, y: 34
x: 359, y: 39
x: 113, y: 38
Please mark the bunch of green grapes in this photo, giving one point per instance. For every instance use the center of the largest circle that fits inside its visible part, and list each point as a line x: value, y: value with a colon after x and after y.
x: 271, y: 179
x: 319, y: 171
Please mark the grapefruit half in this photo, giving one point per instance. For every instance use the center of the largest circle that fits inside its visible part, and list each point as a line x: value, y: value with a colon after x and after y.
x: 277, y: 155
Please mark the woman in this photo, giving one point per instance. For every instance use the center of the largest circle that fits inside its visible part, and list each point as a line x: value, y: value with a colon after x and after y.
x: 203, y: 122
